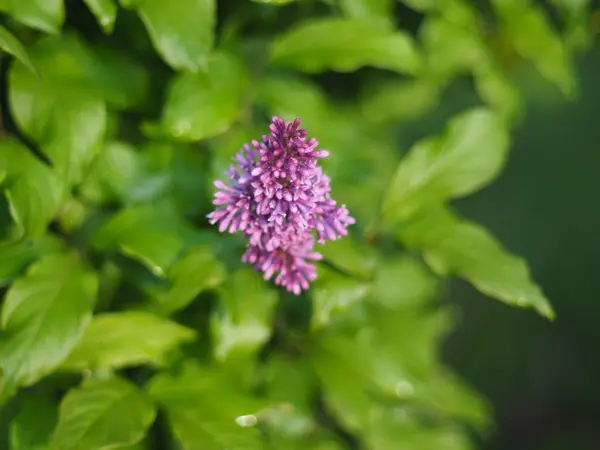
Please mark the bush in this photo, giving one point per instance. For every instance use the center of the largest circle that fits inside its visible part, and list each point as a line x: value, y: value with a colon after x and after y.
x: 128, y: 321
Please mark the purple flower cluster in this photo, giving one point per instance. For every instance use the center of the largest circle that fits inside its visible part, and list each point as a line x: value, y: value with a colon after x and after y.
x: 279, y: 197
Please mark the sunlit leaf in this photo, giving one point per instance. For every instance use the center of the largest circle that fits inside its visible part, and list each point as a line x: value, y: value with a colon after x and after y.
x: 202, y: 407
x: 374, y: 11
x: 32, y: 189
x: 103, y: 414
x: 345, y: 45
x: 454, y: 246
x: 128, y: 338
x: 181, y: 32
x: 44, y: 15
x: 244, y: 321
x: 11, y: 44
x: 105, y: 12
x: 219, y: 92
x: 465, y: 158
x: 43, y: 316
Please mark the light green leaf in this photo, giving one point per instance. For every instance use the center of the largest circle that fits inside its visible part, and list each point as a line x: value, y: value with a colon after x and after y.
x: 245, y: 320
x: 14, y: 257
x: 43, y: 317
x: 377, y: 12
x: 11, y: 44
x: 334, y: 295
x: 44, y: 15
x: 202, y: 407
x: 349, y: 255
x: 149, y: 233
x: 530, y: 32
x: 55, y: 108
x: 32, y: 189
x: 219, y: 92
x: 403, y: 282
x: 103, y: 414
x: 499, y: 93
x: 465, y: 158
x: 196, y: 272
x: 128, y: 338
x: 182, y: 32
x: 105, y: 12
x: 454, y: 246
x: 344, y: 46
x: 32, y: 428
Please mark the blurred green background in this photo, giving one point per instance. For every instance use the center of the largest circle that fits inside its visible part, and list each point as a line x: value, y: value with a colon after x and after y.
x: 117, y: 116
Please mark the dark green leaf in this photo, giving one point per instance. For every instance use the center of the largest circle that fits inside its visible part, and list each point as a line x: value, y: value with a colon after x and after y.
x: 197, y: 271
x: 32, y: 428
x: 149, y: 233
x: 11, y: 44
x: 128, y: 338
x: 345, y: 45
x: 245, y: 320
x: 181, y: 32
x: 43, y: 317
x: 219, y: 92
x: 202, y: 407
x: 113, y: 173
x: 465, y: 158
x: 454, y: 246
x: 103, y: 414
x: 105, y: 12
x: 32, y: 189
x: 531, y: 33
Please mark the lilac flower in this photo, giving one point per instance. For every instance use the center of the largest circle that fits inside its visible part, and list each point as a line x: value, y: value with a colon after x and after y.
x: 277, y: 197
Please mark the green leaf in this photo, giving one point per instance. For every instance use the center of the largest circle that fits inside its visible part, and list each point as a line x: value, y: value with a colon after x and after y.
x: 113, y: 173
x: 377, y: 12
x: 44, y: 15
x: 402, y: 282
x: 202, y: 407
x: 32, y: 428
x: 149, y: 233
x: 530, y: 32
x: 43, y: 316
x: 103, y: 414
x: 197, y: 271
x: 128, y: 338
x: 220, y: 92
x: 356, y: 258
x: 32, y: 189
x: 105, y: 12
x: 182, y: 32
x: 465, y: 158
x: 14, y: 257
x: 499, y: 93
x: 345, y: 45
x: 454, y: 246
x: 399, y: 100
x: 245, y: 320
x: 11, y: 44
x: 334, y: 295
x: 55, y: 108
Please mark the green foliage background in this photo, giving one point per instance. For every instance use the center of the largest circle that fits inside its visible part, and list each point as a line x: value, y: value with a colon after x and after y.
x: 128, y: 322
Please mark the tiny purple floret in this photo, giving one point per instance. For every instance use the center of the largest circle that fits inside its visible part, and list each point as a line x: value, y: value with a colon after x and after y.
x: 279, y: 198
